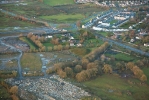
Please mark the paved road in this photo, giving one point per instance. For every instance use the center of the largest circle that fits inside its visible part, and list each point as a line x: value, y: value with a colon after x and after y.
x: 18, y: 57
x: 123, y: 45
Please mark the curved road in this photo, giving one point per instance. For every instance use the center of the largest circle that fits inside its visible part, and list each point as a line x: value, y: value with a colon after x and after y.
x: 18, y: 57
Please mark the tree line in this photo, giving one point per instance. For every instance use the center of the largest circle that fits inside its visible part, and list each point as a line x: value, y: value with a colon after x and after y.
x: 83, y: 69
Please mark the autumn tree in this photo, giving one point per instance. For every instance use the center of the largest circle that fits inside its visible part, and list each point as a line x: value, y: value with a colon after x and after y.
x: 59, y: 47
x: 81, y: 76
x: 86, y: 74
x: 78, y: 68
x: 61, y: 73
x: 55, y: 41
x: 91, y: 65
x: 69, y: 71
x: 55, y: 48
x: 132, y: 34
x: 84, y: 62
x: 50, y: 70
x: 107, y: 68
x: 14, y: 90
x: 67, y: 47
x: 137, y: 71
x: 143, y: 78
x: 29, y: 35
x: 140, y: 63
x: 58, y: 66
x: 130, y: 65
x: 14, y: 97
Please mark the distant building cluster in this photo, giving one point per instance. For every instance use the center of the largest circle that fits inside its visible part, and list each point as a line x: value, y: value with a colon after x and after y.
x: 84, y: 1
x: 110, y: 19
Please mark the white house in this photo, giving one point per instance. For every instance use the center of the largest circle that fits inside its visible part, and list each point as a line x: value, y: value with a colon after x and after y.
x: 146, y: 44
x: 105, y: 24
x: 49, y: 36
x: 119, y: 17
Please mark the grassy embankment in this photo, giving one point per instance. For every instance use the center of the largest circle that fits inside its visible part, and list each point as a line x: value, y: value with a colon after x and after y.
x: 31, y: 61
x: 58, y: 2
x: 111, y: 87
x: 9, y: 22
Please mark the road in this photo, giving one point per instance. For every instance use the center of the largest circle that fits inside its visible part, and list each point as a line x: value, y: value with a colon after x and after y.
x: 123, y: 45
x: 18, y: 57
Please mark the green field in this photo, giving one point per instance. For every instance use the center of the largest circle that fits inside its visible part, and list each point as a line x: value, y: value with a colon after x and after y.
x: 80, y: 51
x: 48, y: 44
x: 105, y: 33
x: 113, y: 21
x: 58, y: 2
x: 63, y: 17
x: 112, y: 87
x: 122, y: 57
x: 146, y: 72
x: 29, y: 42
x: 31, y: 61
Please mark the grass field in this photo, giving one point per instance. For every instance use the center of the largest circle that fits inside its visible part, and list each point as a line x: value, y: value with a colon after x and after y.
x: 63, y: 17
x: 113, y: 21
x: 58, y: 2
x: 111, y: 87
x: 80, y: 51
x: 31, y: 61
x: 29, y: 42
x: 105, y: 33
x: 146, y: 72
x: 122, y: 57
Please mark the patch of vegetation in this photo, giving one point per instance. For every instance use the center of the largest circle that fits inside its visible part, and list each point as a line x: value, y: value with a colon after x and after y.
x: 31, y: 61
x: 94, y: 41
x: 48, y: 44
x: 59, y: 2
x: 121, y: 57
x: 105, y: 33
x: 80, y: 51
x: 113, y: 21
x: 9, y: 22
x: 29, y: 42
x: 126, y: 25
x: 63, y: 17
x: 4, y: 95
x: 146, y: 72
x: 111, y: 87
